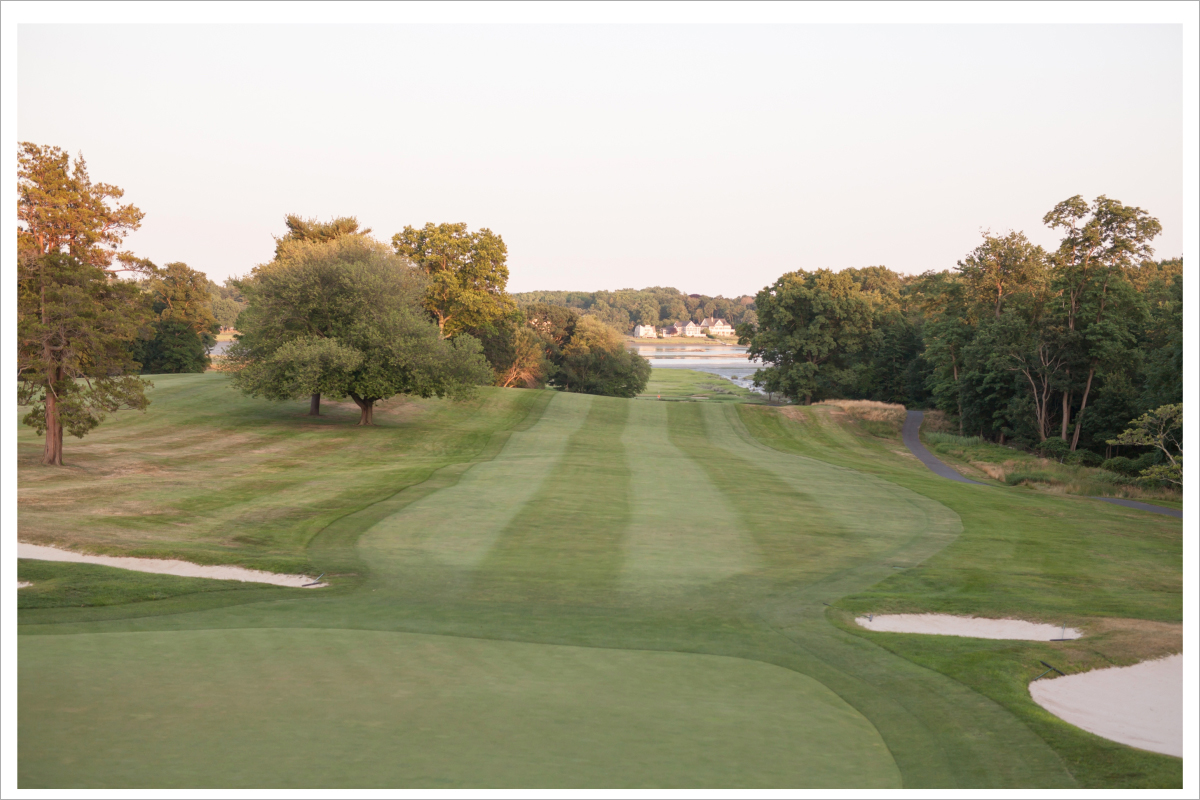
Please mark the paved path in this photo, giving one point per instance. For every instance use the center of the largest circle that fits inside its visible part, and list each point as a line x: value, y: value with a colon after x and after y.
x: 912, y: 440
x: 1170, y: 512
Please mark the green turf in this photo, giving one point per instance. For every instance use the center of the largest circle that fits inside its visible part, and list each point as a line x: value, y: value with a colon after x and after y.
x: 57, y: 584
x: 597, y: 592
x: 696, y: 386
x: 305, y: 708
x: 213, y: 477
x: 1024, y: 554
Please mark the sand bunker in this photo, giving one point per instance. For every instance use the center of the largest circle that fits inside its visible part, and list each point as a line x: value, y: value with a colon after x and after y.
x: 163, y: 566
x: 23, y: 584
x: 1141, y: 706
x: 975, y: 627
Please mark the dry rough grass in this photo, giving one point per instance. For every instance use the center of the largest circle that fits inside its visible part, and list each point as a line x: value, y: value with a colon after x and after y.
x: 890, y: 415
x: 937, y: 422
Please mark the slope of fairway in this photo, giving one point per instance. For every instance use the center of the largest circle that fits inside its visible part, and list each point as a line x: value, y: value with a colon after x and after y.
x: 642, y: 538
x: 561, y: 538
x: 1114, y: 573
x: 306, y: 708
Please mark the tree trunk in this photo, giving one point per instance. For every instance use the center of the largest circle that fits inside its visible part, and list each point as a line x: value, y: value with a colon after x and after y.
x: 1079, y: 420
x: 958, y: 392
x: 1066, y: 420
x: 54, y: 430
x: 314, y: 405
x: 367, y: 409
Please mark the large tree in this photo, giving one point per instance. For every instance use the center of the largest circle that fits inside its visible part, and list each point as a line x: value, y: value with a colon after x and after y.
x: 810, y: 326
x: 594, y: 361
x: 344, y: 318
x: 299, y: 302
x: 467, y: 273
x: 1100, y: 243
x: 75, y: 320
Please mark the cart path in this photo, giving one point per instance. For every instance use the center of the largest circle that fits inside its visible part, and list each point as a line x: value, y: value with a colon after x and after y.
x: 912, y: 440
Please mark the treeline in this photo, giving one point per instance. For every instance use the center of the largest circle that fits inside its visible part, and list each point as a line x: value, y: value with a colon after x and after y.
x: 339, y: 313
x: 335, y: 312
x: 656, y: 305
x: 1058, y: 350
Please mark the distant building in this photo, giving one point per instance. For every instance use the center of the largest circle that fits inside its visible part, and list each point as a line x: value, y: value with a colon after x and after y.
x: 717, y: 327
x: 644, y: 332
x: 685, y: 328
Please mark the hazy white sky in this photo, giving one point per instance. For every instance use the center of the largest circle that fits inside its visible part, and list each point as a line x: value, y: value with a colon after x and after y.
x: 711, y: 158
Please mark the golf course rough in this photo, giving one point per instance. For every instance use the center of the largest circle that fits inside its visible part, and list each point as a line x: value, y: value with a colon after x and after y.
x: 616, y: 594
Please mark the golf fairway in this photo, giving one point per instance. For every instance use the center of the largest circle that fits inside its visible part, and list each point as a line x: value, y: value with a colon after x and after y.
x: 623, y: 594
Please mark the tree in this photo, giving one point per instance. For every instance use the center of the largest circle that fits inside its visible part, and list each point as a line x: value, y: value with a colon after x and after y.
x: 999, y: 267
x: 301, y: 229
x: 227, y: 302
x: 809, y: 326
x: 74, y: 327
x: 1161, y: 429
x: 301, y: 298
x: 528, y: 365
x: 595, y: 361
x: 343, y: 317
x: 184, y: 328
x: 60, y: 210
x: 948, y: 331
x: 74, y: 320
x: 1094, y: 253
x: 467, y: 273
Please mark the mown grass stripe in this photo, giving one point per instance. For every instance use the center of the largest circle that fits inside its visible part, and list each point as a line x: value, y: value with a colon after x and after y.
x: 794, y: 534
x: 571, y: 533
x: 683, y: 532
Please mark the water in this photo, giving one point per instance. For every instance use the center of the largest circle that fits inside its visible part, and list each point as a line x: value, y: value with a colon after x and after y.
x: 729, y: 361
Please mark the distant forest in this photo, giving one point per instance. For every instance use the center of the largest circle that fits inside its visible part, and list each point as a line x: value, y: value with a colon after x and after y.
x: 655, y: 305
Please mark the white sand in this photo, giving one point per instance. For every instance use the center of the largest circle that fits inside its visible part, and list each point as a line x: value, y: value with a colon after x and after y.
x: 23, y: 584
x: 164, y: 566
x: 975, y: 627
x: 1141, y: 706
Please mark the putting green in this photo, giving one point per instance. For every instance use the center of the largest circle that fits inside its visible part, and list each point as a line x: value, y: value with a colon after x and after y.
x: 625, y: 594
x: 309, y: 708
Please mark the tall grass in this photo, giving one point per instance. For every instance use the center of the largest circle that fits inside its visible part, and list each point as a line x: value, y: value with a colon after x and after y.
x: 876, y: 417
x: 953, y: 439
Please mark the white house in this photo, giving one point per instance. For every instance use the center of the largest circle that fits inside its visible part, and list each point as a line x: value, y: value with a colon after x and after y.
x: 685, y: 328
x: 644, y: 331
x: 717, y: 327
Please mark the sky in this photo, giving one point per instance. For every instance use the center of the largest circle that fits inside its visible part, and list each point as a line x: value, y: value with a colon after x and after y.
x: 712, y: 158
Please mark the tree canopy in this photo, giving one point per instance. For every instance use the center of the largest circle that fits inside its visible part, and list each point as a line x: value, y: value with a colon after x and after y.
x: 344, y: 317
x: 467, y: 272
x: 184, y: 325
x: 656, y: 305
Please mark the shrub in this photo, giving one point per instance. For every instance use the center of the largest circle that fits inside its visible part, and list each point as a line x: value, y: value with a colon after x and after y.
x: 1084, y: 458
x: 1014, y: 478
x: 1147, y: 460
x: 952, y: 439
x: 1112, y: 478
x: 1121, y: 466
x: 1053, y: 448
